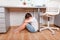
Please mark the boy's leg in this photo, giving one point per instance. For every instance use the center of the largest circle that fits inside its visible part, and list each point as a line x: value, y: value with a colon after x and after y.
x: 21, y: 27
x: 30, y: 28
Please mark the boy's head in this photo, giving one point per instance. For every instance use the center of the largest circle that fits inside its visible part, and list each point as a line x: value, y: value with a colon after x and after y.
x: 28, y: 15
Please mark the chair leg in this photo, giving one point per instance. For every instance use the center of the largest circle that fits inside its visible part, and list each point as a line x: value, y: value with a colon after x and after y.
x: 55, y: 28
x: 43, y: 29
x: 53, y: 32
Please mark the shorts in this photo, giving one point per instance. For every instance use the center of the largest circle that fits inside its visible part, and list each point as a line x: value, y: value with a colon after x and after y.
x: 30, y: 28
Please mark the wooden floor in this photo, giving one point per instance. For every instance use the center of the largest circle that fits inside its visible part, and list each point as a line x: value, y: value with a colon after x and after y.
x: 25, y: 35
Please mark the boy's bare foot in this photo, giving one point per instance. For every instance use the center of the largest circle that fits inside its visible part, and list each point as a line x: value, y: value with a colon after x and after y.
x: 16, y: 31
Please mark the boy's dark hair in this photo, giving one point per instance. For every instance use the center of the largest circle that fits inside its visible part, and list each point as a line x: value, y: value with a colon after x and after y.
x: 28, y: 15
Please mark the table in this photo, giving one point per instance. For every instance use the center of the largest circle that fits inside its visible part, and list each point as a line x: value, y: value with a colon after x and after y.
x: 4, y: 17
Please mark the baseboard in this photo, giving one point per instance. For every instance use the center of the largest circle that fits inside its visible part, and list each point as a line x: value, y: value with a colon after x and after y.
x: 57, y: 26
x: 46, y: 24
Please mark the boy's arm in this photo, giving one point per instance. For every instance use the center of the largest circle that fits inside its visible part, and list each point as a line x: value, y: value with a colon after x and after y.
x: 20, y: 28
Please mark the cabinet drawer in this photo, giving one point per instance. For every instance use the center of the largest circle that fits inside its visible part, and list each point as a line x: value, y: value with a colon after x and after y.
x: 2, y: 29
x: 2, y: 9
x: 2, y: 14
x: 2, y: 26
x: 2, y: 21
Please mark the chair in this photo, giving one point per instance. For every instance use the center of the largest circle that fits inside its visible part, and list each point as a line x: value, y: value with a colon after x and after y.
x: 50, y: 12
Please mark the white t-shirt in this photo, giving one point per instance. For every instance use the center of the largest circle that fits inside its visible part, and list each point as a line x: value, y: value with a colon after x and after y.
x: 34, y: 23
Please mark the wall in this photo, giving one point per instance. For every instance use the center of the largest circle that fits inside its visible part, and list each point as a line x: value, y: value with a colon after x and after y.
x: 16, y: 18
x: 20, y: 3
x: 17, y: 15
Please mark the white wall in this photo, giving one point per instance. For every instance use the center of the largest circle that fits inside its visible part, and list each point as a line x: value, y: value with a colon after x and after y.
x: 17, y: 16
x: 34, y: 2
x: 20, y: 3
